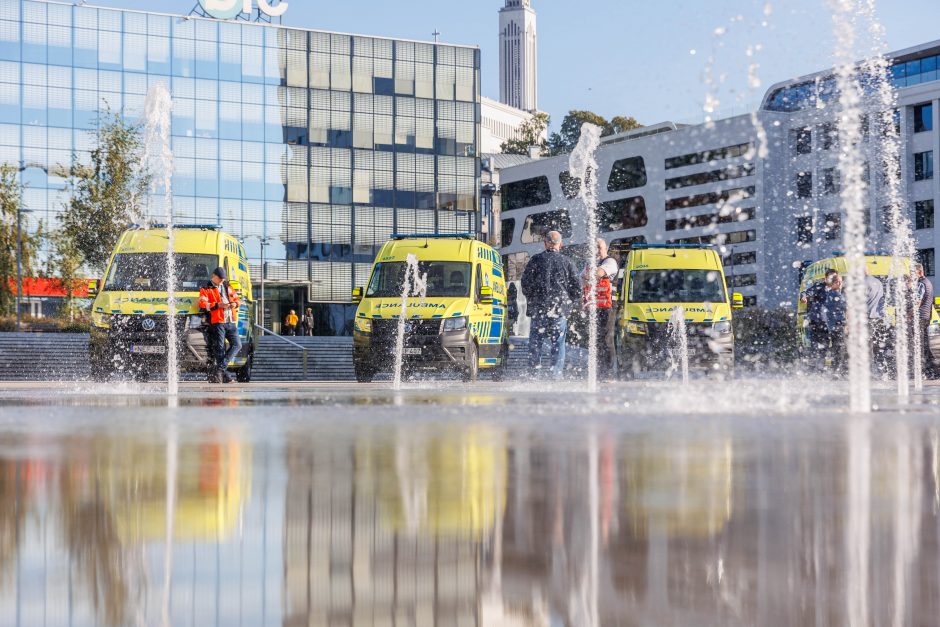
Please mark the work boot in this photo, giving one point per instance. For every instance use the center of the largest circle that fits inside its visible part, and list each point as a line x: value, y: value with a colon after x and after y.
x: 214, y: 376
x: 227, y: 377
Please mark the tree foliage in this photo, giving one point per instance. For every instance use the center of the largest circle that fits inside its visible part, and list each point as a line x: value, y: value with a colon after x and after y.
x: 566, y: 138
x: 11, y: 204
x: 530, y: 133
x: 106, y: 193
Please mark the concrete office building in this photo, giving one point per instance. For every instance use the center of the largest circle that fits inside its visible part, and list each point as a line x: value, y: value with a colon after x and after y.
x: 312, y: 146
x: 772, y: 215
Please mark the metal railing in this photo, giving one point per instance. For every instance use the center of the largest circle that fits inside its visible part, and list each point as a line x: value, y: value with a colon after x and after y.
x: 305, y: 352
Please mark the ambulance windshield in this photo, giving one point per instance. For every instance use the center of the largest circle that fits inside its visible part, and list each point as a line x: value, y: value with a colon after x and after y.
x: 676, y: 286
x: 446, y: 279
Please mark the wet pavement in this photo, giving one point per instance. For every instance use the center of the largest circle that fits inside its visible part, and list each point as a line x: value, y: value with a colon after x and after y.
x: 754, y: 502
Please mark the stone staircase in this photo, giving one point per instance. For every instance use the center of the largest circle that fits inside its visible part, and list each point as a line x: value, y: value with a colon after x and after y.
x: 43, y: 356
x: 328, y: 359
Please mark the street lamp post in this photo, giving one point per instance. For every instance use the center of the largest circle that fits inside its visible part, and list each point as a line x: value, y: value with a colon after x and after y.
x: 19, y: 265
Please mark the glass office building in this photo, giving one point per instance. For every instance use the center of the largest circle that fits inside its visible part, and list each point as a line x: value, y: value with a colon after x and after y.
x: 312, y: 146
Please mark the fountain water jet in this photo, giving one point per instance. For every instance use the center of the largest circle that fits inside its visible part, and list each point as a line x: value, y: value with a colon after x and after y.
x: 884, y: 102
x: 582, y: 166
x: 158, y: 160
x: 413, y: 283
x: 679, y: 336
x: 853, y: 200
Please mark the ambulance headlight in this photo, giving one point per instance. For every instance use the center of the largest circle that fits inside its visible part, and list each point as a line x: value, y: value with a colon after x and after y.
x: 100, y: 320
x: 364, y: 325
x: 455, y: 324
x: 195, y: 322
x: 637, y: 328
x: 723, y: 327
x: 933, y: 329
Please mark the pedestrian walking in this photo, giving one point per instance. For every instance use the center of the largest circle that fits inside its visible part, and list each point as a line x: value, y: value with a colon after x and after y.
x: 307, y: 322
x: 923, y: 308
x: 834, y: 315
x: 290, y: 323
x: 603, y: 301
x: 221, y: 304
x: 551, y: 287
x: 879, y: 335
x: 814, y: 320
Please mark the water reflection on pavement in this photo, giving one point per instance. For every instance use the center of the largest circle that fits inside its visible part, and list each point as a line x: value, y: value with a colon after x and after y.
x: 760, y: 504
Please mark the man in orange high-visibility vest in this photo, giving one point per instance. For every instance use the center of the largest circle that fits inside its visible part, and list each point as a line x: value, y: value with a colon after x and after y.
x: 220, y: 302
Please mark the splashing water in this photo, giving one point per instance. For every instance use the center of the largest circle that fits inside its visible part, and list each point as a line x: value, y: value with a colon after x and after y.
x: 679, y: 343
x: 888, y: 149
x: 853, y: 195
x: 582, y: 165
x: 158, y: 160
x: 413, y: 284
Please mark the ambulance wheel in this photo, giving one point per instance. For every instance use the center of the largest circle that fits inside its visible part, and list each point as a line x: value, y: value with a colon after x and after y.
x: 472, y: 371
x: 499, y: 372
x: 364, y: 374
x: 243, y: 375
x: 99, y: 371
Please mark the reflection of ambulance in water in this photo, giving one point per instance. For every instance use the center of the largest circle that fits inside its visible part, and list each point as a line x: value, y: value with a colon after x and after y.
x: 659, y: 279
x: 459, y: 324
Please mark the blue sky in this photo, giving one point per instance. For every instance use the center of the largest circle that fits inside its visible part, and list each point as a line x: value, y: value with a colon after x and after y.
x: 631, y: 57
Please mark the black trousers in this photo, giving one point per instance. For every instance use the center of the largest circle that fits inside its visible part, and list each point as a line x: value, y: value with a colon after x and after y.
x: 604, y: 352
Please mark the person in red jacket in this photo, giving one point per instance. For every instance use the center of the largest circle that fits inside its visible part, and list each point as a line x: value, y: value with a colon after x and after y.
x: 221, y: 304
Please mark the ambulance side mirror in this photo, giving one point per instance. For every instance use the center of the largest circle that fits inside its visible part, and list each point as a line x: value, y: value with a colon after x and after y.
x: 94, y: 286
x: 737, y: 301
x: 357, y: 295
x: 486, y: 295
x: 936, y: 302
x: 237, y: 286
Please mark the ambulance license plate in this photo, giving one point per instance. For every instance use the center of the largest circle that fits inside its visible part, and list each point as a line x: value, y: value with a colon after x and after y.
x: 148, y: 350
x: 411, y: 351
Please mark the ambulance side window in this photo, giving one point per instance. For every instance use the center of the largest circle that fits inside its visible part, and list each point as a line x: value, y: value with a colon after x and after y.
x: 479, y: 284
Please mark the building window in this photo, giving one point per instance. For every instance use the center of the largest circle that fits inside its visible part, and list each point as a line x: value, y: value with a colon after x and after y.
x: 738, y: 237
x: 740, y: 259
x: 570, y: 185
x: 923, y: 117
x: 627, y: 174
x: 707, y: 156
x: 738, y: 214
x: 804, y: 230
x: 923, y: 214
x: 829, y: 135
x: 803, y: 141
x: 537, y: 225
x: 750, y: 301
x: 804, y: 184
x: 833, y: 228
x: 927, y: 257
x: 620, y: 247
x: 742, y: 280
x: 618, y: 215
x: 710, y: 198
x: 507, y: 227
x: 831, y: 181
x: 923, y: 165
x: 514, y: 264
x: 714, y: 176
x: 526, y: 193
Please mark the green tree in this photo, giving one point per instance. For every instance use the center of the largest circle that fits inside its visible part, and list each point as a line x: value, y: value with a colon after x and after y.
x: 64, y: 264
x: 105, y: 193
x: 530, y: 133
x: 11, y: 204
x: 566, y: 138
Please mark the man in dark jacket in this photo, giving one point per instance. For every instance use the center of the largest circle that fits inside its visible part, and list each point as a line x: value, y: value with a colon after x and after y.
x: 551, y: 286
x: 815, y: 322
x: 924, y: 313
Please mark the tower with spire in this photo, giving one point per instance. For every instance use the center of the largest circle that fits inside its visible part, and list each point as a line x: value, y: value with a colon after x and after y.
x: 518, y: 55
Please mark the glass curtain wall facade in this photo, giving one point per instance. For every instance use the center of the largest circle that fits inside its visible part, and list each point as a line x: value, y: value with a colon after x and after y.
x: 319, y: 144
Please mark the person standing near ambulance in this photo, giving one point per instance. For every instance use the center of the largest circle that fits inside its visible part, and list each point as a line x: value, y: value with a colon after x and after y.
x: 603, y: 300
x: 221, y: 304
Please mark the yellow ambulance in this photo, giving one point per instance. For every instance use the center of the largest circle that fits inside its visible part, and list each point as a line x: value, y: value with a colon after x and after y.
x: 659, y: 279
x: 459, y: 323
x: 879, y: 266
x: 129, y: 313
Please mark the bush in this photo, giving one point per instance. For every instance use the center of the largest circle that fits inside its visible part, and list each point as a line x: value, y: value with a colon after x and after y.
x: 29, y: 324
x: 765, y: 338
